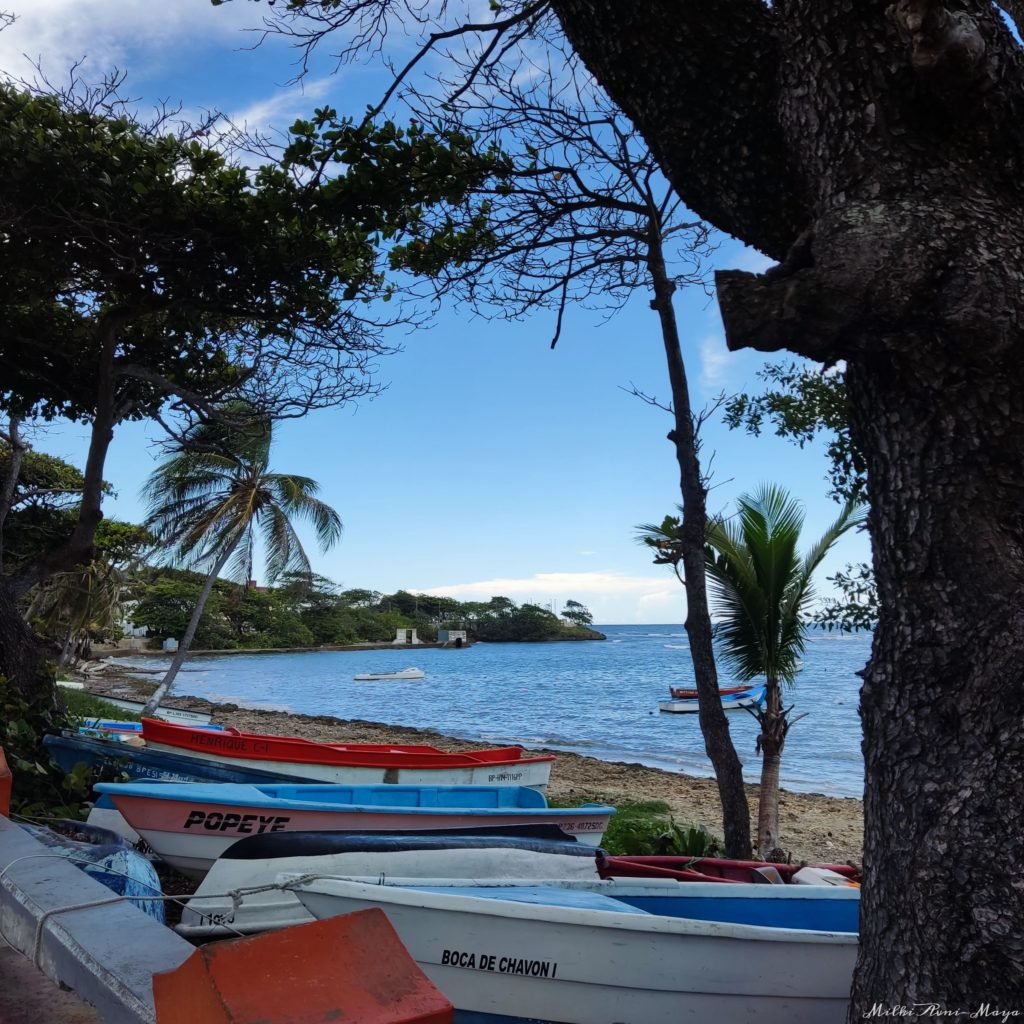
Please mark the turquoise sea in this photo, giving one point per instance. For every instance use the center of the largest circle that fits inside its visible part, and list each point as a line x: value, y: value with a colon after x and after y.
x: 595, y: 697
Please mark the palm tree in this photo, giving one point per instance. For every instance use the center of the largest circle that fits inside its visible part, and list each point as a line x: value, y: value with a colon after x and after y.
x: 761, y: 589
x: 208, y: 502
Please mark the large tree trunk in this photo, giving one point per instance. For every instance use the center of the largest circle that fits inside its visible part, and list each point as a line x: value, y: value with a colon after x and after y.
x: 943, y: 697
x: 714, y: 725
x: 893, y: 133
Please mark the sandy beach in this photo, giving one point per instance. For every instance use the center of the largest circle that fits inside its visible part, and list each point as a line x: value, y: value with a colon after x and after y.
x: 814, y: 827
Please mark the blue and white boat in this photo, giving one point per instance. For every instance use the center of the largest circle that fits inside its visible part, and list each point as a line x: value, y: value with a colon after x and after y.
x: 650, y: 952
x: 745, y: 699
x: 191, y: 824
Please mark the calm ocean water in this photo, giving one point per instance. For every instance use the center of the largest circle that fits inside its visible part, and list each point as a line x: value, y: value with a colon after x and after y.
x: 597, y: 697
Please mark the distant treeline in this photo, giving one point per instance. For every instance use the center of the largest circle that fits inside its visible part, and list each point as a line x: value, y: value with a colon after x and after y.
x: 308, y: 612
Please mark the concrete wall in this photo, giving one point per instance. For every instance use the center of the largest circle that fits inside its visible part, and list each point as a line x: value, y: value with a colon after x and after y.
x: 107, y: 954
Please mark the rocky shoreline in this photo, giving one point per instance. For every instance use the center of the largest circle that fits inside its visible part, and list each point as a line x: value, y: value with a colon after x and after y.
x: 814, y: 827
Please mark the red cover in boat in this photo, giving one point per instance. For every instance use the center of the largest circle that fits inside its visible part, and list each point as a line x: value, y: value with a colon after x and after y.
x: 688, y: 693
x: 703, y: 869
x: 232, y: 743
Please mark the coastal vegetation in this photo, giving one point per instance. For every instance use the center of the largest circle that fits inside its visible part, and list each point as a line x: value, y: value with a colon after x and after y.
x: 761, y: 592
x: 762, y: 596
x: 873, y: 151
x: 210, y: 499
x: 147, y: 276
x: 313, y: 612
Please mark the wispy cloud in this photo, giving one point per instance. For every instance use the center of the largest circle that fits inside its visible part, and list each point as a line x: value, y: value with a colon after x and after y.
x: 752, y: 260
x: 552, y: 583
x: 610, y: 596
x: 714, y: 361
x: 57, y: 33
x: 280, y: 109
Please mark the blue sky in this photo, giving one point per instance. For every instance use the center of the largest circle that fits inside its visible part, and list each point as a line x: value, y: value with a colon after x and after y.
x: 491, y: 464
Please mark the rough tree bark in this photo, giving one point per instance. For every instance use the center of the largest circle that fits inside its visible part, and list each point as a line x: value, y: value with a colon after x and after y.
x: 714, y: 725
x: 875, y: 150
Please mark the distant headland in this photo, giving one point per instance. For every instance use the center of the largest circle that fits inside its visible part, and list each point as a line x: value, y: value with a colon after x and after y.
x: 311, y: 613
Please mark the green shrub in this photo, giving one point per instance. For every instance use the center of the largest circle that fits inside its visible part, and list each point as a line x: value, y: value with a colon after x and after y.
x: 647, y: 828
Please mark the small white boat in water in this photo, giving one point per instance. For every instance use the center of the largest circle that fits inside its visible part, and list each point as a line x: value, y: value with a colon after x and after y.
x: 574, y: 953
x: 405, y: 673
x: 730, y: 702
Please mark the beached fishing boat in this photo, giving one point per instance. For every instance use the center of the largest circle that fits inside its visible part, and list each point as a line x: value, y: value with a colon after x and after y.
x: 572, y: 954
x: 354, y: 763
x: 405, y: 673
x: 191, y: 824
x: 179, y: 716
x: 71, y: 749
x: 748, y: 698
x: 107, y: 858
x: 114, y: 758
x: 717, y: 869
x: 169, y: 714
x: 238, y: 894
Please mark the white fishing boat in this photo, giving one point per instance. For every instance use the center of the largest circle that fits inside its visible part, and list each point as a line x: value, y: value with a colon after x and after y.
x: 239, y: 895
x: 179, y: 716
x: 731, y: 702
x: 405, y: 673
x: 572, y: 954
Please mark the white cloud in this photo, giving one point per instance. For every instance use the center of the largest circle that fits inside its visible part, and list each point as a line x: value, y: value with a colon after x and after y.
x: 281, y: 109
x: 715, y: 358
x: 753, y: 261
x: 548, y: 583
x: 59, y: 32
x: 612, y: 597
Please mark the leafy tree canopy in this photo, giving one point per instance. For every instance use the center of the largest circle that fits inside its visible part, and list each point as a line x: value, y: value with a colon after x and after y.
x: 214, y: 277
x: 803, y: 403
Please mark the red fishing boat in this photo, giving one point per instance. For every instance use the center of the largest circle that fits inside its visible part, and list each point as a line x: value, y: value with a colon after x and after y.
x: 690, y: 693
x: 353, y: 763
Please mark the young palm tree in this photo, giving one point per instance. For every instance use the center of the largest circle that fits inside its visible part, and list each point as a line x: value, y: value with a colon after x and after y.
x: 761, y: 589
x: 208, y: 502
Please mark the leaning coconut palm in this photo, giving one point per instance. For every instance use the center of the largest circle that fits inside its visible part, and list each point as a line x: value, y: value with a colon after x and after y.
x: 208, y: 503
x: 760, y: 590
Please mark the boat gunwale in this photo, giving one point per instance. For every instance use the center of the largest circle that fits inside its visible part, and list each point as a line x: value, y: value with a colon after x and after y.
x: 128, y: 790
x: 552, y: 914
